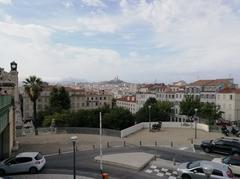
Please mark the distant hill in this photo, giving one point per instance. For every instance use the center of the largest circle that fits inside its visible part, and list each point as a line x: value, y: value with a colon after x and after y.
x: 114, y: 81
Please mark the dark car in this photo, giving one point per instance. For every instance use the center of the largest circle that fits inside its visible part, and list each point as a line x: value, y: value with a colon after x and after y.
x: 222, y: 145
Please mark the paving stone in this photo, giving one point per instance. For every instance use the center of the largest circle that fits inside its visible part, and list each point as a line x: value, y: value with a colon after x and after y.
x: 171, y: 177
x: 156, y: 170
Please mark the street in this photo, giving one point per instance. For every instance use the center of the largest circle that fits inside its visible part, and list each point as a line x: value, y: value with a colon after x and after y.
x: 87, y: 166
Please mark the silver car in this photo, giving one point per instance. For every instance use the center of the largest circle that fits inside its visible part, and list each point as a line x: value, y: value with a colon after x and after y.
x: 24, y: 162
x: 204, y: 170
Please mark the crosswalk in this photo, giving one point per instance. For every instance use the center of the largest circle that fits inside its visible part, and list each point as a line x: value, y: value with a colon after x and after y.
x: 161, y: 172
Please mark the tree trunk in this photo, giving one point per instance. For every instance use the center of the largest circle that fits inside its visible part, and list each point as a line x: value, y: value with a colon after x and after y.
x: 35, y: 121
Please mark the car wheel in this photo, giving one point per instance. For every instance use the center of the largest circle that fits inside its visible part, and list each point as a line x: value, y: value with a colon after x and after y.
x: 33, y: 170
x: 206, y: 149
x: 185, y: 176
x: 2, y: 172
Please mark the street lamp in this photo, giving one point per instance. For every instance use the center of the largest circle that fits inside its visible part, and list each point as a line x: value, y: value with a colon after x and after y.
x: 196, y: 110
x: 173, y: 114
x: 74, y: 139
x: 149, y: 117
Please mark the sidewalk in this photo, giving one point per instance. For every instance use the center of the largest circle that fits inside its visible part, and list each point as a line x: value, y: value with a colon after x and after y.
x: 47, y: 176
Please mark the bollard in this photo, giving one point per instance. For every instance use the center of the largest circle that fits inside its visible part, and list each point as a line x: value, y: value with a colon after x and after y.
x: 174, y: 161
x: 140, y: 143
x: 108, y: 145
x: 93, y: 147
x: 155, y: 143
x: 59, y: 151
x: 124, y: 143
x: 105, y: 175
x: 171, y: 143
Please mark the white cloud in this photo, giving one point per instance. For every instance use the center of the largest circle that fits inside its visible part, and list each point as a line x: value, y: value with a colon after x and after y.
x: 94, y: 3
x: 5, y: 2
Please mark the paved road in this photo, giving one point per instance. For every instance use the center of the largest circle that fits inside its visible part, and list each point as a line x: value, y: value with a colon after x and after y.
x: 88, y: 167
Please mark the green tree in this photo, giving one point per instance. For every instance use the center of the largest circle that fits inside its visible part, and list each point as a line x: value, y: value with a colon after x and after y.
x: 118, y: 118
x: 189, y: 104
x: 160, y: 111
x: 59, y: 99
x: 210, y: 112
x: 33, y: 87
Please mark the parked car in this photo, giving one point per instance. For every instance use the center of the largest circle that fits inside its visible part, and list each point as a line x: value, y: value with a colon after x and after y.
x: 229, y: 146
x: 232, y: 161
x: 204, y: 169
x: 24, y: 162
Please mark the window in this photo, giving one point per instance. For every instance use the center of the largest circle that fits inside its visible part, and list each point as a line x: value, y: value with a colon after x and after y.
x: 39, y: 156
x: 198, y: 170
x: 23, y: 159
x: 217, y: 172
x: 231, y: 97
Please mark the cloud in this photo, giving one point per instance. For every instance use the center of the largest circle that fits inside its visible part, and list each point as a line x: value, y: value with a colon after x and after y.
x: 6, y: 2
x: 93, y: 3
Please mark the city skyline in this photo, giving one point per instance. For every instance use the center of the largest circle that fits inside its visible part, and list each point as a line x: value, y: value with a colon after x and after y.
x: 138, y: 40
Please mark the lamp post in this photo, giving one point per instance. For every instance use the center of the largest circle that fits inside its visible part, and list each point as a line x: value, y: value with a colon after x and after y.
x: 195, y: 122
x: 74, y: 139
x: 100, y: 141
x: 149, y: 117
x: 173, y: 114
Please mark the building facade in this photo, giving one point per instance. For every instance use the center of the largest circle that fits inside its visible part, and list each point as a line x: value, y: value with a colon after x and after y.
x: 128, y: 102
x: 229, y: 102
x: 10, y: 113
x: 79, y: 98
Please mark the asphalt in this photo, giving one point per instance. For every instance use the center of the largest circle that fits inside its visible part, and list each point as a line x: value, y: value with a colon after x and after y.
x: 47, y: 176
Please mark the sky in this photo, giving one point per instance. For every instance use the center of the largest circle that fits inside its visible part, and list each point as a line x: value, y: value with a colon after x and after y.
x: 136, y: 40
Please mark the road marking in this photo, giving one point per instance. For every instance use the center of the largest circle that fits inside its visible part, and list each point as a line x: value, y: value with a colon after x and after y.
x: 148, y: 171
x: 183, y: 148
x: 164, y: 170
x: 54, y: 154
x: 168, y: 174
x: 153, y: 166
x: 160, y: 174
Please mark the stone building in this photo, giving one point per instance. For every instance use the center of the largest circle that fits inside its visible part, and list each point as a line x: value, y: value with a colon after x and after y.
x: 10, y: 114
x: 80, y: 99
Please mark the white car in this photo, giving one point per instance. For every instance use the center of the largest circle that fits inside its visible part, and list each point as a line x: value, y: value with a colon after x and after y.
x: 24, y: 162
x: 232, y: 161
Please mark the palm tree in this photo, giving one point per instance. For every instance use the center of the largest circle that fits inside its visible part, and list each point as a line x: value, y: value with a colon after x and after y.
x: 33, y: 87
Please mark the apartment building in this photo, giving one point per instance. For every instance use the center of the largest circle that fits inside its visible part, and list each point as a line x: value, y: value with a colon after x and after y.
x: 128, y: 102
x: 228, y: 100
x: 80, y: 99
x: 206, y: 89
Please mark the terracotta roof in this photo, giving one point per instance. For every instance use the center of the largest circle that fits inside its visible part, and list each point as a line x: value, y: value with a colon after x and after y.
x: 128, y: 99
x: 226, y: 82
x: 230, y: 90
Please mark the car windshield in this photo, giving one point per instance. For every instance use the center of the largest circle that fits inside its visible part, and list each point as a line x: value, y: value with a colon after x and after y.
x: 226, y: 160
x: 193, y: 164
x: 8, y: 160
